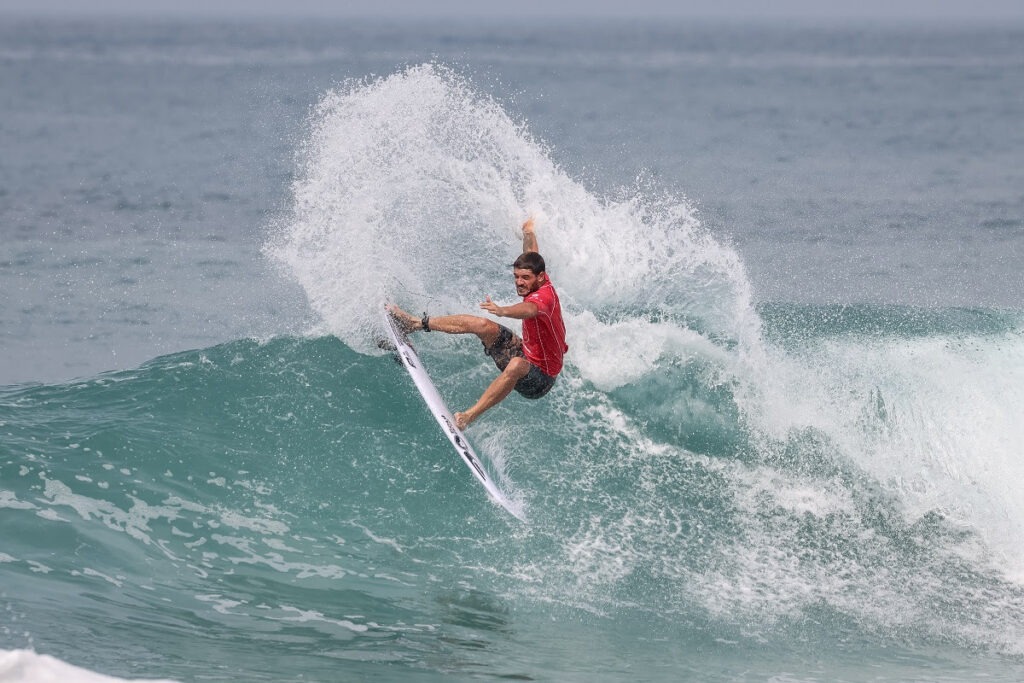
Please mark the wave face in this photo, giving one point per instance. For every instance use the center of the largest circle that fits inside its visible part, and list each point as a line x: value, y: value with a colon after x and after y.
x: 714, y: 489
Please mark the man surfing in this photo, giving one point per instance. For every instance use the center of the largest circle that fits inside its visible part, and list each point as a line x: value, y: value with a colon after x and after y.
x: 528, y: 365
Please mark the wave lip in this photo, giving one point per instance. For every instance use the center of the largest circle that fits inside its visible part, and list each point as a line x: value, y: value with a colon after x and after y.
x: 415, y: 185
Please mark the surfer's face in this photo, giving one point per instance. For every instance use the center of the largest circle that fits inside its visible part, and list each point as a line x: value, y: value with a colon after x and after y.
x: 526, y: 281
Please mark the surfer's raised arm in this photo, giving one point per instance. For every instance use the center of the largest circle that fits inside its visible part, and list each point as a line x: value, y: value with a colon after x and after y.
x: 529, y: 239
x: 526, y: 281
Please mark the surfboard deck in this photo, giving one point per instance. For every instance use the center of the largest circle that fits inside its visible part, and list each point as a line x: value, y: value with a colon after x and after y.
x: 412, y: 363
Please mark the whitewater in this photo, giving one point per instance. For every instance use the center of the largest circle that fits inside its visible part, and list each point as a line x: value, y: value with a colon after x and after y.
x: 717, y: 488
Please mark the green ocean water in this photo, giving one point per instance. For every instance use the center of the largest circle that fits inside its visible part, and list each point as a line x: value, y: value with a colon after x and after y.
x: 286, y: 509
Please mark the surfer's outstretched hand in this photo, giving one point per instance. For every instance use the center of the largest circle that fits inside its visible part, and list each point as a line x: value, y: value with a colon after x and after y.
x: 491, y: 307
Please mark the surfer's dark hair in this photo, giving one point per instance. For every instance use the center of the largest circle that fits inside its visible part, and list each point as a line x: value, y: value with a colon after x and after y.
x: 531, y: 261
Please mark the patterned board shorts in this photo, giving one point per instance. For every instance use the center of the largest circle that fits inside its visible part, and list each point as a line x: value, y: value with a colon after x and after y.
x: 507, y: 346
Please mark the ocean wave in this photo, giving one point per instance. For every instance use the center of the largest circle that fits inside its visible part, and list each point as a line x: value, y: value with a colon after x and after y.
x: 250, y: 483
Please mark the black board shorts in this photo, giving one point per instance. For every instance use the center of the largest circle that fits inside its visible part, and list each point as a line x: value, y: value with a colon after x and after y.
x: 507, y: 346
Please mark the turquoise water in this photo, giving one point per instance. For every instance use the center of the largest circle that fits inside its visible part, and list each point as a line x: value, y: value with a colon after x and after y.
x: 209, y: 514
x: 786, y: 444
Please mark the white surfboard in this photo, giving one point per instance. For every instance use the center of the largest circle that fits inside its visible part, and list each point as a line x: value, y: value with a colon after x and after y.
x: 444, y: 417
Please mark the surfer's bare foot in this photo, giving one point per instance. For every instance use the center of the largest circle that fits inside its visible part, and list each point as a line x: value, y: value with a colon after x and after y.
x: 463, y: 420
x: 406, y: 322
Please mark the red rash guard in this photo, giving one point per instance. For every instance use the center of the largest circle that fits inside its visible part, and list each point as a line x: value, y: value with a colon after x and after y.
x: 544, y: 334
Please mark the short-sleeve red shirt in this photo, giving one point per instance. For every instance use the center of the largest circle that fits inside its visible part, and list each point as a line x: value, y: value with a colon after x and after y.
x: 544, y: 334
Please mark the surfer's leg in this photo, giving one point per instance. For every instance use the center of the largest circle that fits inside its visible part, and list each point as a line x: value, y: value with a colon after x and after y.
x: 516, y: 369
x: 486, y: 330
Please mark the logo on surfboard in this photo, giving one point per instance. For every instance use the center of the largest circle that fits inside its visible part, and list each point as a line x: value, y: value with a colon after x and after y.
x: 466, y: 453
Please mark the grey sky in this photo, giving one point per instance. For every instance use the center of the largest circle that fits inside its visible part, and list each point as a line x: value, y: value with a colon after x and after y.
x: 915, y: 10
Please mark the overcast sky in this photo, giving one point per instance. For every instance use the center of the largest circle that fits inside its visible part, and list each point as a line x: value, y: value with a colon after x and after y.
x: 923, y: 10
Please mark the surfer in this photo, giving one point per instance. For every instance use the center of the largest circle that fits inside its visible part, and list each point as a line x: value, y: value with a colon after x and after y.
x: 528, y: 365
